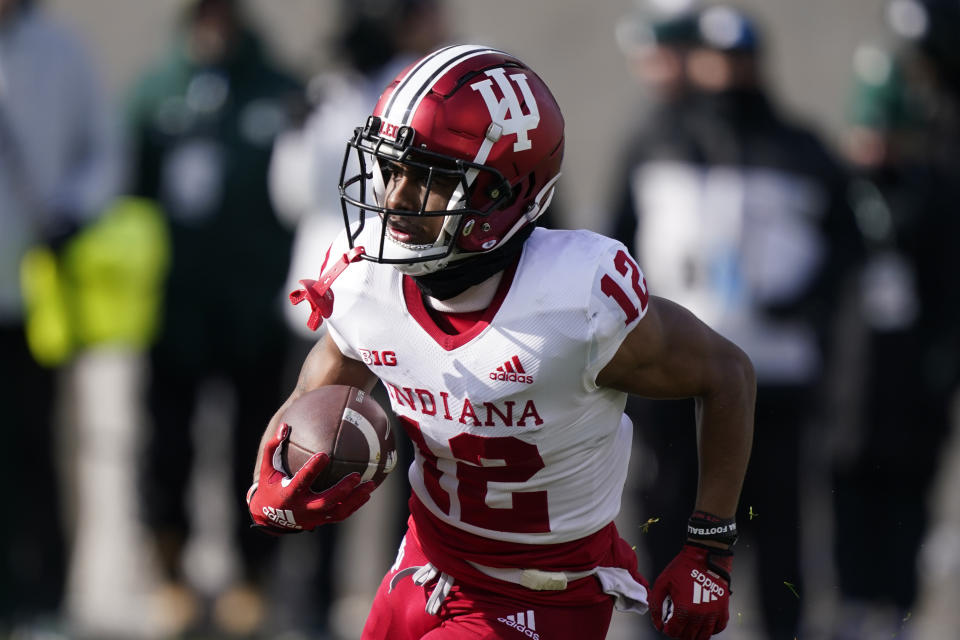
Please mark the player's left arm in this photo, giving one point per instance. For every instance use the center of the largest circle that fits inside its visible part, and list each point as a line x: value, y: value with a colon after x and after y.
x: 672, y: 354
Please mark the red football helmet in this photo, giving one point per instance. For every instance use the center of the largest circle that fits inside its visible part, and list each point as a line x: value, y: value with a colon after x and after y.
x: 478, y: 120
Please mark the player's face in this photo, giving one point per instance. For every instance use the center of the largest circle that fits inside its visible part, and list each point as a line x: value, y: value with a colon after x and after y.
x: 406, y: 189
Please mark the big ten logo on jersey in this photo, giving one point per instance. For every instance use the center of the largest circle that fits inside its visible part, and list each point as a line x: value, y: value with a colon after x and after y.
x: 631, y: 275
x: 506, y: 113
x: 375, y: 358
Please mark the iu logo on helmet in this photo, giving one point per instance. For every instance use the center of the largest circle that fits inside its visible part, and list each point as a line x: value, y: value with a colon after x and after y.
x: 507, y: 112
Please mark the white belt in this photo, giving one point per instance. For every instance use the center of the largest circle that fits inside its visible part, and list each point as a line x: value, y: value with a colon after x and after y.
x: 629, y: 594
x: 534, y: 579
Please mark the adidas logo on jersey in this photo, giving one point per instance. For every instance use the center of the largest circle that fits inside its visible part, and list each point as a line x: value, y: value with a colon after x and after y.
x: 281, y: 517
x: 523, y: 622
x: 511, y: 371
x: 704, y: 589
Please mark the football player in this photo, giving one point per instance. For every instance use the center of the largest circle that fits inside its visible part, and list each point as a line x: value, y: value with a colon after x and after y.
x: 511, y: 353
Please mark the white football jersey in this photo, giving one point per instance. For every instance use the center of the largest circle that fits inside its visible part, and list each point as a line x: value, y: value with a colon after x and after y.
x: 514, y: 439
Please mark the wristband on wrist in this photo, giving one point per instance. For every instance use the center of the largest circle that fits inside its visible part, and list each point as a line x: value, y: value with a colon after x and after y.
x: 706, y: 526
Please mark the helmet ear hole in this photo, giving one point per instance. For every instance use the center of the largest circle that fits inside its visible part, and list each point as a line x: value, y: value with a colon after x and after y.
x: 506, y: 201
x: 531, y: 183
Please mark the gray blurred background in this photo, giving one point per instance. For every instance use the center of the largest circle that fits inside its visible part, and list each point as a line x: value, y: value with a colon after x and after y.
x: 570, y: 44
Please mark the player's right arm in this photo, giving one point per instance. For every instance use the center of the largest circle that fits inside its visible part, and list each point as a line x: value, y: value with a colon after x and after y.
x: 279, y: 504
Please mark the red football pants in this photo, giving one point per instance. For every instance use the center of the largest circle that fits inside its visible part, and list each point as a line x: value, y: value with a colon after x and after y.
x: 471, y: 612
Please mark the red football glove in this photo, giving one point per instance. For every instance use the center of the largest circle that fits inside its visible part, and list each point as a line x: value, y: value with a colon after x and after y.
x: 280, y: 503
x: 691, y: 597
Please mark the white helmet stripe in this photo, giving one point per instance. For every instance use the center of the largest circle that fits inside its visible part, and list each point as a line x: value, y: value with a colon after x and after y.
x: 407, y: 78
x: 420, y: 80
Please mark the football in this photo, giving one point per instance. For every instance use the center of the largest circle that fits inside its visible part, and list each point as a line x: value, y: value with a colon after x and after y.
x: 348, y: 425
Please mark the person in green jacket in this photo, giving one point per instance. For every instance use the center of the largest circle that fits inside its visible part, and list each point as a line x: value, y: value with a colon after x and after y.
x: 202, y: 125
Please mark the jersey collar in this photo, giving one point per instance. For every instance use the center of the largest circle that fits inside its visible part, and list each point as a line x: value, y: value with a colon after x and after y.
x: 417, y: 308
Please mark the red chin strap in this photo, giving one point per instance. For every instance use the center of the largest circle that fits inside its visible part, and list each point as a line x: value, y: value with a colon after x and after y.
x: 318, y: 293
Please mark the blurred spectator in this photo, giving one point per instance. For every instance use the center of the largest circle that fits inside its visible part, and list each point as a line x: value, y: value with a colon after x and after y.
x: 376, y: 40
x: 656, y: 50
x: 58, y: 168
x: 740, y: 215
x: 203, y: 121
x: 904, y: 140
x: 113, y: 275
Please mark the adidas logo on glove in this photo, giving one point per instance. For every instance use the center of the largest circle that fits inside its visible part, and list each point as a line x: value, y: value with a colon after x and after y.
x: 704, y: 588
x: 281, y: 517
x: 675, y: 611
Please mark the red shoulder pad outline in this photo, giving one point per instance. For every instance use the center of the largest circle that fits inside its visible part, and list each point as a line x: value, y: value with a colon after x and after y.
x: 318, y: 293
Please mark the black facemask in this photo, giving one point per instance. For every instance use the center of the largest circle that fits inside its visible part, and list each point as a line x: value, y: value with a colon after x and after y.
x: 454, y: 280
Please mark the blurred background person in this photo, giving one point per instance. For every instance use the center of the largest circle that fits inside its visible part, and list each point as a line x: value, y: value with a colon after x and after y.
x: 202, y: 123
x: 904, y: 142
x: 655, y: 44
x: 113, y: 272
x: 59, y: 167
x: 739, y: 214
x: 373, y: 42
